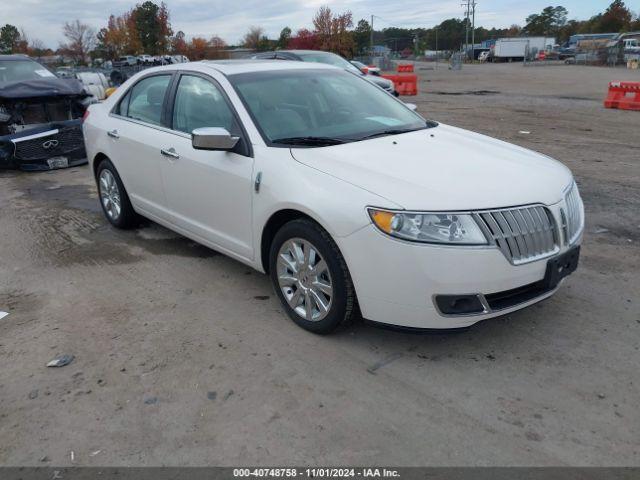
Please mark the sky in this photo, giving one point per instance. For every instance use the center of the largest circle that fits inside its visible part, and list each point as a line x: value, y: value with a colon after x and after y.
x: 43, y: 19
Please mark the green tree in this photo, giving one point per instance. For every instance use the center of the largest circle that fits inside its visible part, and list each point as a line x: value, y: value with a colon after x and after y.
x: 285, y: 36
x: 635, y: 25
x: 265, y: 44
x: 616, y: 18
x: 451, y: 34
x: 549, y: 22
x: 9, y: 39
x: 362, y: 36
x: 153, y: 27
x: 397, y: 39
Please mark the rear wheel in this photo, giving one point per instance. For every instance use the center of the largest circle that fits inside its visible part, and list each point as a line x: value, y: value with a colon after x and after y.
x: 311, y: 277
x: 113, y: 197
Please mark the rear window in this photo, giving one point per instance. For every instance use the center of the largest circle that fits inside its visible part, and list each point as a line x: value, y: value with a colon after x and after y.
x: 144, y: 101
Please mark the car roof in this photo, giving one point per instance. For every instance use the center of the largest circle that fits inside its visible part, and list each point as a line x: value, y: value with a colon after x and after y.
x: 16, y: 57
x: 232, y: 67
x: 307, y: 51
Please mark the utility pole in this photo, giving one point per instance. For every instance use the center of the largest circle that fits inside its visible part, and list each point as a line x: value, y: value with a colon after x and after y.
x: 371, y: 38
x: 473, y: 30
x: 436, y: 47
x: 467, y: 4
x: 470, y: 17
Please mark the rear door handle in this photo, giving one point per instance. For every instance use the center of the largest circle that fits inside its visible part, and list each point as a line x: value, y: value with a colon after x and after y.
x: 113, y: 134
x: 171, y: 152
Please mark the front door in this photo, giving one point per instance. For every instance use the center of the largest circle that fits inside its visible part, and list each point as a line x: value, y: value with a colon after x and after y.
x: 209, y: 193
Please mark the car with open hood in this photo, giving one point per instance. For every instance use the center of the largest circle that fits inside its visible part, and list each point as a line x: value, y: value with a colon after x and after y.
x: 346, y: 197
x: 40, y: 116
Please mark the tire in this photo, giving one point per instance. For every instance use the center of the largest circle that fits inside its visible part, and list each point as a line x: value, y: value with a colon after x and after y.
x: 308, y: 282
x: 113, y: 197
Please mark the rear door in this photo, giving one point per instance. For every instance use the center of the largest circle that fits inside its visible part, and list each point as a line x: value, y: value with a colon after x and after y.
x: 208, y: 192
x: 136, y: 127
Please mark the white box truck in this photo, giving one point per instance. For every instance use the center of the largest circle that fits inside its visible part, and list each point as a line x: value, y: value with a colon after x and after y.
x: 515, y: 49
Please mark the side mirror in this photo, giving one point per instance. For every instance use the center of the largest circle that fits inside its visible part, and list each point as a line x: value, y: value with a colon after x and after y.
x: 213, y: 138
x: 411, y: 106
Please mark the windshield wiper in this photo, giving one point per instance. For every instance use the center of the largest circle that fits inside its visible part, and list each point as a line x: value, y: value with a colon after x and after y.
x: 391, y: 131
x: 310, y: 141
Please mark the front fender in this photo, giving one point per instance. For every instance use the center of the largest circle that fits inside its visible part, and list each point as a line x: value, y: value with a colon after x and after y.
x: 337, y: 206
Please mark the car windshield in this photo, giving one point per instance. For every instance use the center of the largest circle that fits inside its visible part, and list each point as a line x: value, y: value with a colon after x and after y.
x: 21, y: 70
x: 328, y: 58
x: 319, y: 107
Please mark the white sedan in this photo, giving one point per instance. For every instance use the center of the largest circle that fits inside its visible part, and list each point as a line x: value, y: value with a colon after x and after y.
x: 347, y: 198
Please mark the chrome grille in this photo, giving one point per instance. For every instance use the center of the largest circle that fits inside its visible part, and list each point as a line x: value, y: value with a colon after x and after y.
x: 523, y: 234
x: 69, y: 140
x: 573, y: 219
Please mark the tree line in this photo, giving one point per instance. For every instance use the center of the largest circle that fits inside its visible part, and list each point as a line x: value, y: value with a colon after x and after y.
x: 146, y: 28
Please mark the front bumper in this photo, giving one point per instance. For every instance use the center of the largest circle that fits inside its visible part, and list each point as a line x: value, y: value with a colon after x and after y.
x: 32, y: 149
x: 397, y: 282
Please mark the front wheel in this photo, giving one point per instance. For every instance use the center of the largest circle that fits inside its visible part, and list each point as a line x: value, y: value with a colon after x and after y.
x: 311, y: 277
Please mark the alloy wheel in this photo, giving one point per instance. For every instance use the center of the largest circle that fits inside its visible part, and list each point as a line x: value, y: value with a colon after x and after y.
x: 305, y: 280
x: 110, y: 194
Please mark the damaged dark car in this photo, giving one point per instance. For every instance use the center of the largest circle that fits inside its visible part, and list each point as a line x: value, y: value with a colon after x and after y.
x: 40, y: 117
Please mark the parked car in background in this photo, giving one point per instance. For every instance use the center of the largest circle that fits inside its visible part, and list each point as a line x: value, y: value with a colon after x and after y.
x: 125, y: 61
x: 348, y: 199
x: 631, y: 45
x: 95, y: 83
x: 316, y: 56
x: 64, y: 72
x: 178, y: 59
x: 366, y: 68
x: 40, y: 116
x: 145, y: 59
x: 484, y: 56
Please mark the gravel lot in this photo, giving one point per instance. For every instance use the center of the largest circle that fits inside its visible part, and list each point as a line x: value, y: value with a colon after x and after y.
x: 183, y: 356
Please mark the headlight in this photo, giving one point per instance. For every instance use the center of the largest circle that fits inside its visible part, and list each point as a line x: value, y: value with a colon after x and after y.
x: 444, y: 228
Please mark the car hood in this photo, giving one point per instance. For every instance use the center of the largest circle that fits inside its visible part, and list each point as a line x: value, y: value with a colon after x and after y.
x: 380, y: 81
x: 43, y: 87
x: 443, y: 168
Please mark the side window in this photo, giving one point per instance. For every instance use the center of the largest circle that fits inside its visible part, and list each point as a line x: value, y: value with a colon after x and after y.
x: 123, y: 106
x: 199, y: 103
x: 146, y: 99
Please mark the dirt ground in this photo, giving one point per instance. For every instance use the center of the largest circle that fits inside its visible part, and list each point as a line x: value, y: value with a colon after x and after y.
x: 184, y: 357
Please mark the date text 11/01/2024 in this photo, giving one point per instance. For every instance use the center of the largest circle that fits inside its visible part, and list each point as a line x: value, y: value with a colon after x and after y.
x: 316, y: 472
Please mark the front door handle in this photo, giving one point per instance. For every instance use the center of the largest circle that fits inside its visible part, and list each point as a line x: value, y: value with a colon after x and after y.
x: 113, y: 134
x: 171, y: 152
